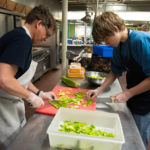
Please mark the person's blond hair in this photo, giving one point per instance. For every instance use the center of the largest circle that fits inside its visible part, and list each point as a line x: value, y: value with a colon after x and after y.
x: 104, y: 25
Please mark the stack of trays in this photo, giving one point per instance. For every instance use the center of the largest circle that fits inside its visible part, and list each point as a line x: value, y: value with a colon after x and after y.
x: 76, y: 70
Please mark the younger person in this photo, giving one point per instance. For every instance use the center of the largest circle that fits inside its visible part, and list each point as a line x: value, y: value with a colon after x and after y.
x: 131, y: 54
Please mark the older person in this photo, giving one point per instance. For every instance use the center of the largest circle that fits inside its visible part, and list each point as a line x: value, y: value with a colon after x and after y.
x: 17, y: 70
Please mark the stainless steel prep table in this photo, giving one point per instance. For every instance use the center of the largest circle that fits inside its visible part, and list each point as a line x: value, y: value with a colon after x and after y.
x: 33, y: 136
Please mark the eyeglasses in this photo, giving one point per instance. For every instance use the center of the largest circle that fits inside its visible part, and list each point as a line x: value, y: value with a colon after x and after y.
x: 48, y: 34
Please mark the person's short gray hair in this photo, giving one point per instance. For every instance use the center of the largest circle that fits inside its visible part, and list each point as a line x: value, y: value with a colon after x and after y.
x: 42, y: 13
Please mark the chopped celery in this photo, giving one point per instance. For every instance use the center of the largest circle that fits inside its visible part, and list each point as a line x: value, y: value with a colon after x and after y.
x: 70, y: 82
x: 69, y: 89
x: 54, y: 103
x: 61, y: 93
x: 76, y: 107
x: 67, y: 92
x: 83, y: 128
x: 89, y: 102
x: 97, y: 77
x: 64, y: 100
x: 79, y: 94
x: 84, y: 104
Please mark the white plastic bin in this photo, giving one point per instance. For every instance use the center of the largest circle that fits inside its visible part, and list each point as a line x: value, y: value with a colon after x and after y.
x: 102, y: 120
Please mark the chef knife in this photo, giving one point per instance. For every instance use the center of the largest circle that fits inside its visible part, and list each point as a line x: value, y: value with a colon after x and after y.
x: 104, y: 100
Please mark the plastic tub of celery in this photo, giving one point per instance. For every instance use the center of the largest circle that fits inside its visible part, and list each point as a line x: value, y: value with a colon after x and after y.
x: 102, y: 130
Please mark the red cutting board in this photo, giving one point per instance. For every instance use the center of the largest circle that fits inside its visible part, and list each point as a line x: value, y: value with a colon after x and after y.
x: 51, y: 110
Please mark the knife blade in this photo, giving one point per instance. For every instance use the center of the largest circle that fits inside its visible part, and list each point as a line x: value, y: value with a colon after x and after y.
x: 104, y: 100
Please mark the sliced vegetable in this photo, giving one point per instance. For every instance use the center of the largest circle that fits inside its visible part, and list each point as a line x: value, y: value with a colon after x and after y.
x: 61, y: 93
x: 69, y: 82
x: 97, y: 77
x: 65, y: 101
x: 79, y: 94
x: 75, y: 107
x: 84, y: 104
x: 83, y: 128
x: 89, y: 102
x: 54, y: 103
x: 72, y: 100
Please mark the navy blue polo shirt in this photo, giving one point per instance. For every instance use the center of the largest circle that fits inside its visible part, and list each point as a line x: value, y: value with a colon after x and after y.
x: 16, y: 49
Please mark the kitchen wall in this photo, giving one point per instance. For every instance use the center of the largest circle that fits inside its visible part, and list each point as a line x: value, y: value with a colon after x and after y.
x: 56, y: 10
x: 54, y: 5
x: 72, y: 30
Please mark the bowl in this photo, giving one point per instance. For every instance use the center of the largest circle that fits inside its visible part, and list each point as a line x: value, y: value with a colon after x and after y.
x: 96, y: 78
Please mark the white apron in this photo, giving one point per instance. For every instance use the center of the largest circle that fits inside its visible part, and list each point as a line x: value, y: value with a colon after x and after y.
x: 12, y: 110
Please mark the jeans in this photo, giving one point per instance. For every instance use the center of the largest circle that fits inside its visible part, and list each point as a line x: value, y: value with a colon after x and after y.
x: 143, y: 124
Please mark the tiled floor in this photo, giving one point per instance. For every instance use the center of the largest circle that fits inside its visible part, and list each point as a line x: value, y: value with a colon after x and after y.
x: 50, y: 79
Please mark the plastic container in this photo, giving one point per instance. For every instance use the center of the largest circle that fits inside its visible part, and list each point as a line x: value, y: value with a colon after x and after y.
x: 103, y: 50
x: 105, y: 121
x: 76, y: 74
x: 70, y: 41
x: 75, y: 69
x: 75, y: 64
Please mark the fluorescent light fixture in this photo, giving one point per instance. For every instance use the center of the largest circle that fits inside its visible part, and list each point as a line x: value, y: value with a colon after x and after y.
x: 127, y: 16
x: 134, y: 16
x: 75, y: 15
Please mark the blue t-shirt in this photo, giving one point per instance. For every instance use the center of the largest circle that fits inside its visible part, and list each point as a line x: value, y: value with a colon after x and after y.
x: 16, y: 49
x: 140, y: 49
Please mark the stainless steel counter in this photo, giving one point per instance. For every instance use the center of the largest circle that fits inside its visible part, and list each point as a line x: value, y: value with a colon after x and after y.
x: 33, y: 136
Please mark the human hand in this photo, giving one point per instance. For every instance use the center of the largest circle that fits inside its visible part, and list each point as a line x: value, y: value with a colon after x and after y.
x: 92, y: 93
x: 47, y: 95
x: 35, y: 100
x: 121, y: 97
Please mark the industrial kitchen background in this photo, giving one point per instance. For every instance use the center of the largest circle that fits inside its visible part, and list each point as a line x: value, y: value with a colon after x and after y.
x: 49, y: 53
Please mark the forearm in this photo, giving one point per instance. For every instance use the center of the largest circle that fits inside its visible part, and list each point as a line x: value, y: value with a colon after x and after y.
x: 13, y: 87
x: 108, y: 81
x: 32, y: 87
x: 9, y: 84
x: 140, y: 88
